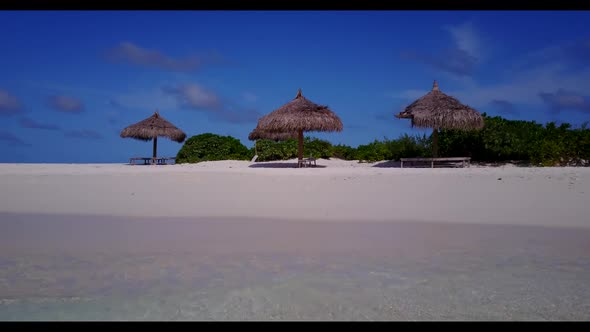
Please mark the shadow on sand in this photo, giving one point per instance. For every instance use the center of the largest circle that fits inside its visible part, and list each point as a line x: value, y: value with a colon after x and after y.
x: 515, y: 163
x: 169, y: 164
x: 388, y: 163
x: 397, y: 164
x: 280, y: 165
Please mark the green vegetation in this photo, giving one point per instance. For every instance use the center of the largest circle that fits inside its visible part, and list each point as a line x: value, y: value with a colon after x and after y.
x: 527, y: 141
x: 208, y: 147
x: 405, y: 146
x: 500, y: 140
x: 270, y: 150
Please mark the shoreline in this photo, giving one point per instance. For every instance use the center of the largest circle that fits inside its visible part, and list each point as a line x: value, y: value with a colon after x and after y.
x: 223, y: 241
x: 53, y: 233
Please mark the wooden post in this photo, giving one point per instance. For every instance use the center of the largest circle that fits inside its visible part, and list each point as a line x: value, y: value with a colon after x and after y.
x: 155, y: 148
x: 300, y: 154
x: 435, y: 143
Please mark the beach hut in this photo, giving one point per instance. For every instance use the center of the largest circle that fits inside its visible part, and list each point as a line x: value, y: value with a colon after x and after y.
x: 150, y: 129
x: 437, y: 110
x: 298, y: 116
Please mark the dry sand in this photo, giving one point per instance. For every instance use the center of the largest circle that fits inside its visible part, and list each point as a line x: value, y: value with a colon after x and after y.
x: 349, y: 241
x: 340, y: 191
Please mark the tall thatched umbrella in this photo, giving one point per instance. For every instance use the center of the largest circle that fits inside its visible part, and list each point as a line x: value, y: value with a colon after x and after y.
x: 257, y: 134
x: 438, y: 110
x: 153, y: 127
x: 300, y: 115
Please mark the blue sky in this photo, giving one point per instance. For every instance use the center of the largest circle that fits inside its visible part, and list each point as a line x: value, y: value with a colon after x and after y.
x: 71, y: 81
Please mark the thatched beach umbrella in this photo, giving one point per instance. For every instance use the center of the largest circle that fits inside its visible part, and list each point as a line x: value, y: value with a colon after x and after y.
x: 153, y: 127
x: 257, y: 134
x: 297, y: 116
x: 438, y: 110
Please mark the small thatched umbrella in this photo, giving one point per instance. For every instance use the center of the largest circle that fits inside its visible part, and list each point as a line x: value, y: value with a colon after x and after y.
x: 297, y: 116
x: 153, y: 127
x: 438, y: 110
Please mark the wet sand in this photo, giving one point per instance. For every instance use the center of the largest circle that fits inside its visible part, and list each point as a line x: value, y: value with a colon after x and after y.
x: 88, y: 267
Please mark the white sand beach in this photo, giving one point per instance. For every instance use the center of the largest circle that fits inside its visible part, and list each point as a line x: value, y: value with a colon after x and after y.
x: 234, y: 240
x: 337, y: 191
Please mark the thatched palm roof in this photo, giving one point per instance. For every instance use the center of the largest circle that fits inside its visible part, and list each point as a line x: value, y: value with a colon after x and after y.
x: 438, y: 110
x: 275, y: 136
x: 153, y: 127
x: 300, y: 114
x: 297, y: 116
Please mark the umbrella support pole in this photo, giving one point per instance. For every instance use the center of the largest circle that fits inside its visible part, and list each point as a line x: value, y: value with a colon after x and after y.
x: 435, y: 142
x: 155, y: 149
x: 300, y: 149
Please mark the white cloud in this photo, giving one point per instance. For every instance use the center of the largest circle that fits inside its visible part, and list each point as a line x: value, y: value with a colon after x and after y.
x: 524, y: 87
x: 461, y: 59
x: 547, y: 70
x: 128, y: 52
x: 195, y: 96
x: 83, y: 134
x: 131, y: 53
x: 9, y: 104
x: 409, y: 94
x: 33, y: 124
x: 150, y: 99
x: 10, y: 139
x: 249, y: 97
x: 466, y: 38
x: 66, y: 104
x: 565, y: 100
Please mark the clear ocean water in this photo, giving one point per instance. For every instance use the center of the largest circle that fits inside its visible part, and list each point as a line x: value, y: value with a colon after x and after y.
x: 111, y: 268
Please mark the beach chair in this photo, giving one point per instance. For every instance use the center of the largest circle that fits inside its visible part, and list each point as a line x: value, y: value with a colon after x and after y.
x: 307, y: 161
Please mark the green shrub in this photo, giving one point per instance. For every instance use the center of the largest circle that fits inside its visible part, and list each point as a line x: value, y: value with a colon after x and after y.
x: 269, y: 150
x: 499, y: 140
x: 208, y: 147
x: 317, y: 148
x: 374, y: 151
x: 578, y: 144
x: 404, y: 147
x: 508, y: 140
x: 407, y: 146
x: 505, y: 140
x: 556, y: 146
x: 344, y: 152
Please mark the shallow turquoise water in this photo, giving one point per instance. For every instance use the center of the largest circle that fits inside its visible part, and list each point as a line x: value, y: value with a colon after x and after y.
x: 84, y: 268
